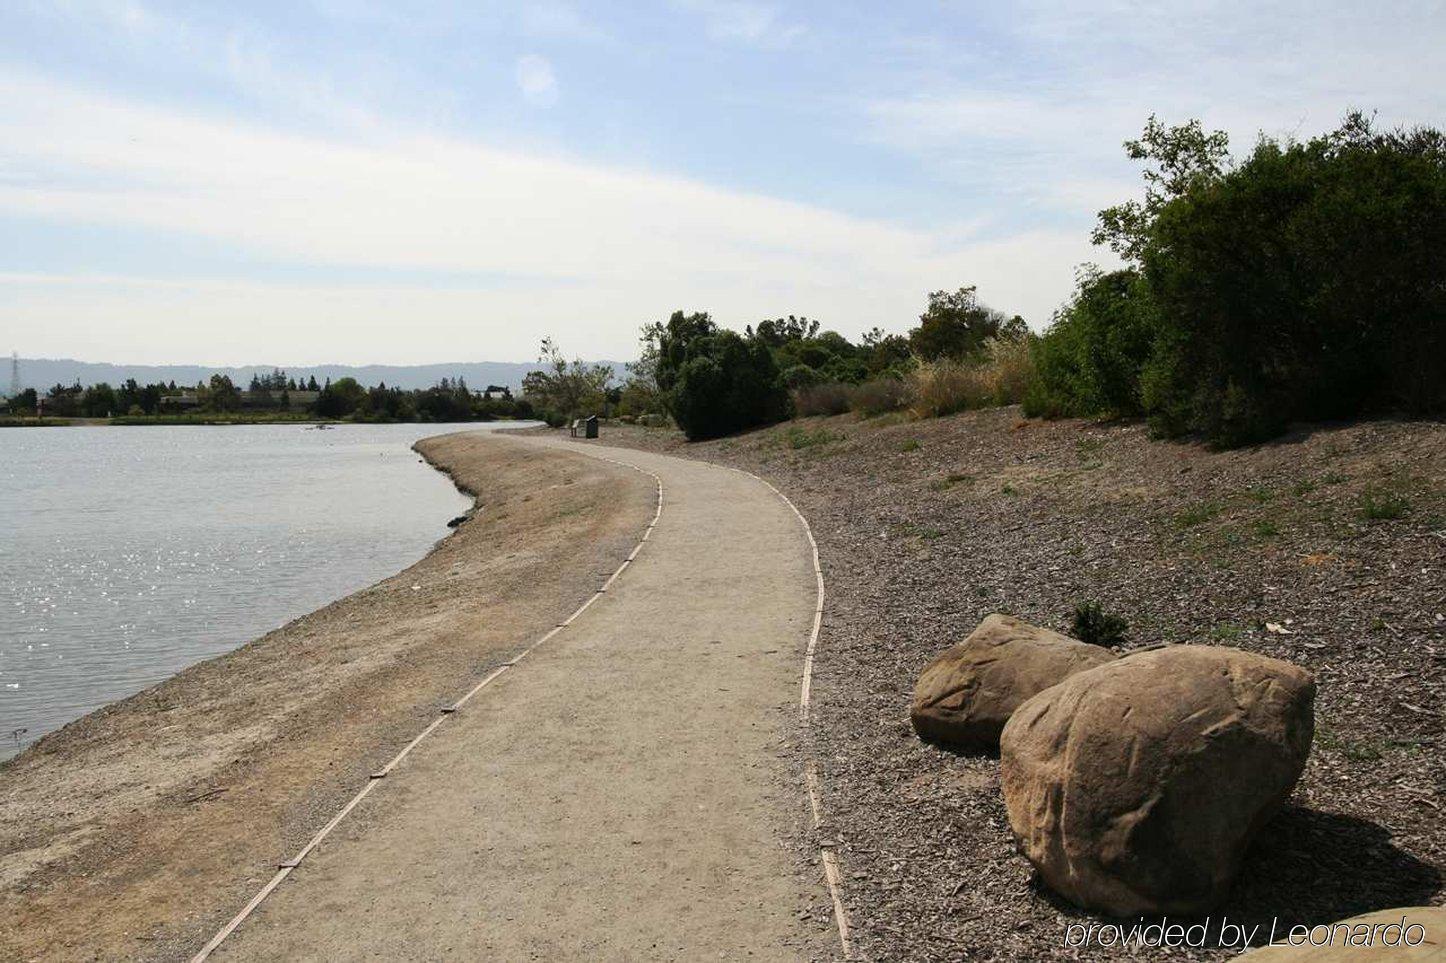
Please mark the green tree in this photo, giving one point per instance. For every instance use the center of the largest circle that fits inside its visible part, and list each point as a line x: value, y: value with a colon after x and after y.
x: 726, y: 384
x: 568, y: 389
x: 956, y: 324
x: 222, y: 395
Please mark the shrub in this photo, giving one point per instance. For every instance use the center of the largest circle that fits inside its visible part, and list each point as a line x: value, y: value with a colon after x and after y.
x: 1303, y: 283
x: 801, y: 376
x: 1094, y: 625
x: 727, y: 384
x: 1090, y: 360
x: 831, y: 398
x: 879, y: 396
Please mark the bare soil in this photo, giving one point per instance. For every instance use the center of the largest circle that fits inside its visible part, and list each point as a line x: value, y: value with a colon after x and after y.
x: 135, y: 832
x: 1326, y: 547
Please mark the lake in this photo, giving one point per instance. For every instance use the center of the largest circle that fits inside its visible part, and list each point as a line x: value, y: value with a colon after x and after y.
x: 129, y: 553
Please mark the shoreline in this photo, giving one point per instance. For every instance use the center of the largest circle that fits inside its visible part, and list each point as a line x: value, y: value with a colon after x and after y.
x: 251, y: 748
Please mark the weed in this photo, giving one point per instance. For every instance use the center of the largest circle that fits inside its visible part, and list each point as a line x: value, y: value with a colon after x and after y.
x: 1094, y: 625
x: 797, y: 437
x: 1381, y: 505
x: 1227, y: 632
x: 1197, y: 514
x: 1260, y: 494
x: 947, y: 482
x: 911, y: 444
x: 1265, y: 528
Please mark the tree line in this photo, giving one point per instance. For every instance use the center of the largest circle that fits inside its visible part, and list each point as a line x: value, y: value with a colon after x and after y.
x: 448, y: 400
x: 1305, y: 282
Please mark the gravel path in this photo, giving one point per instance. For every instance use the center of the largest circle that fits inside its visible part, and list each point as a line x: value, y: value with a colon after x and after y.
x: 621, y: 794
x: 1327, y: 548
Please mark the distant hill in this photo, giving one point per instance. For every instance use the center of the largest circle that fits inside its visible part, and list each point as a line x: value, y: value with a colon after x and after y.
x: 43, y: 373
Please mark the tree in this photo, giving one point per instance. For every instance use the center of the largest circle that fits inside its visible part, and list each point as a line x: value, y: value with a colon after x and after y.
x: 716, y: 382
x: 956, y: 324
x: 222, y: 394
x: 340, y: 399
x: 568, y: 389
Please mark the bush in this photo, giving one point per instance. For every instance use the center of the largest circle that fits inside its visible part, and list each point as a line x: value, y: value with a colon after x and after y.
x: 727, y: 384
x: 801, y: 376
x: 878, y: 397
x: 1090, y: 360
x: 1094, y: 625
x: 822, y: 399
x: 1302, y: 284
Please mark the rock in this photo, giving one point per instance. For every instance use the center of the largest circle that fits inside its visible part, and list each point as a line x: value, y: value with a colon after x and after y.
x: 1411, y: 933
x: 457, y: 521
x: 968, y: 692
x: 1135, y: 787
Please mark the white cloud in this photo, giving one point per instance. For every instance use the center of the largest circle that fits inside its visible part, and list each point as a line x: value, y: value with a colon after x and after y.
x: 536, y: 80
x: 742, y: 21
x: 584, y: 252
x: 559, y: 21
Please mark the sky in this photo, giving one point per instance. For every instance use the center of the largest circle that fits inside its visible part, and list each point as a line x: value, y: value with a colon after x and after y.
x: 316, y: 181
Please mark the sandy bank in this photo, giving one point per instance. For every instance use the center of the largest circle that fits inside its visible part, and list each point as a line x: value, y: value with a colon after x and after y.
x: 135, y: 831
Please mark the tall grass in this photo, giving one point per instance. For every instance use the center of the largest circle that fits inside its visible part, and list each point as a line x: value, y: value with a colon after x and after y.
x: 829, y: 398
x: 945, y: 386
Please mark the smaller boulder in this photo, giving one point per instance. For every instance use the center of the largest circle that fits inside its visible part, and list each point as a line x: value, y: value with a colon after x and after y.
x: 964, y: 697
x: 1136, y: 787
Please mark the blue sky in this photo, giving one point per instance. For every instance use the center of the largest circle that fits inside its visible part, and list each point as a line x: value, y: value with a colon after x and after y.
x: 338, y: 181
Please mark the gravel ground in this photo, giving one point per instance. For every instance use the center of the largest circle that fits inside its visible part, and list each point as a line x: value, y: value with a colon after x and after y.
x: 926, y: 527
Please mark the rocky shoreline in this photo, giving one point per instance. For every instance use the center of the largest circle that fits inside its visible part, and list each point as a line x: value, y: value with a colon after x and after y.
x: 1326, y: 548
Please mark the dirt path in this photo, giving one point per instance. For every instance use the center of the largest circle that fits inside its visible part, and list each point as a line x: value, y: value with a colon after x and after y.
x: 619, y: 795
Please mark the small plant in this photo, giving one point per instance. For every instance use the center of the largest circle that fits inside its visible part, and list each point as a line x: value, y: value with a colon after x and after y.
x: 1260, y: 494
x: 1094, y: 625
x: 948, y: 481
x: 910, y: 444
x: 1197, y: 514
x: 1265, y: 528
x: 797, y: 437
x: 1383, y: 505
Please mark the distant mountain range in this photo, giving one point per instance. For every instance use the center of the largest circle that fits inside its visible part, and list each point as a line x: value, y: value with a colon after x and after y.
x: 43, y: 373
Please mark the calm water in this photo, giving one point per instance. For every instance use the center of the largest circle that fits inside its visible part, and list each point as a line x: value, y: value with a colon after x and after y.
x: 127, y: 554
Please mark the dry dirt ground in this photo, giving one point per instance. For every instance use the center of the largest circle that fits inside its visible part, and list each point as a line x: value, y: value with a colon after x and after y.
x: 135, y: 832
x: 1326, y: 547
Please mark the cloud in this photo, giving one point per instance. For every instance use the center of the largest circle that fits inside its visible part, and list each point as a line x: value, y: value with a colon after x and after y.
x: 559, y: 21
x: 741, y: 21
x: 526, y: 243
x: 536, y: 80
x: 1041, y: 113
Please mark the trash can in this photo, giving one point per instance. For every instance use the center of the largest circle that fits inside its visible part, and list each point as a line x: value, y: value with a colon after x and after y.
x: 592, y: 426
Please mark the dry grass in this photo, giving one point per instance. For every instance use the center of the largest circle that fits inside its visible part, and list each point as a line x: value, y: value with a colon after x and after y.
x: 946, y: 386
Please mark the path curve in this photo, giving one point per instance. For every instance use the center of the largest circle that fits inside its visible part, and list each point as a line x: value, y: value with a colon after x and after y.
x: 619, y: 795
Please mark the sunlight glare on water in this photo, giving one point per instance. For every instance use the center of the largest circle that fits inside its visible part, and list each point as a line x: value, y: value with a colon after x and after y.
x: 129, y: 553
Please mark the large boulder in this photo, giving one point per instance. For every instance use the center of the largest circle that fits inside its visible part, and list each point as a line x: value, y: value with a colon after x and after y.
x: 1410, y: 934
x: 968, y: 692
x: 1135, y: 788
